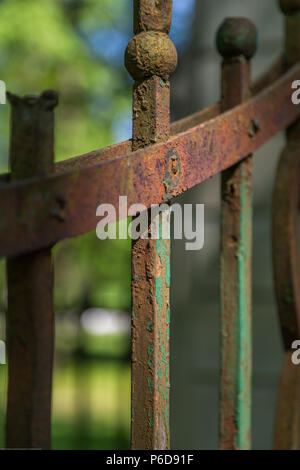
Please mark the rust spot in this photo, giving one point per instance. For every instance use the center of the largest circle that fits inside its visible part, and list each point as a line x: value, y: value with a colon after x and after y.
x: 172, y: 173
x: 254, y: 127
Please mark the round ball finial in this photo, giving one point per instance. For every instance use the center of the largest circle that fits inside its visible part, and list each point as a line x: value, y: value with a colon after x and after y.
x: 288, y: 7
x: 150, y: 53
x: 237, y: 37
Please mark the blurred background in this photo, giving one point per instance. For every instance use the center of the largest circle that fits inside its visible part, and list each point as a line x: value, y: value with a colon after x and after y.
x: 76, y: 47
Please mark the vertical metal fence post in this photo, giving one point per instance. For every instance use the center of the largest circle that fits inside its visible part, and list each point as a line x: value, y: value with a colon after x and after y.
x: 150, y: 59
x: 30, y: 319
x: 236, y: 42
x: 286, y: 203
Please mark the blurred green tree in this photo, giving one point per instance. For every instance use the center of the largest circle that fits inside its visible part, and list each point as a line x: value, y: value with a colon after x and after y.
x: 76, y: 48
x: 56, y: 44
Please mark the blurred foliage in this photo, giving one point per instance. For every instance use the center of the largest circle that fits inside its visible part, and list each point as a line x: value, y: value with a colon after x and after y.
x: 54, y: 44
x: 90, y: 272
x: 76, y: 48
x: 91, y: 405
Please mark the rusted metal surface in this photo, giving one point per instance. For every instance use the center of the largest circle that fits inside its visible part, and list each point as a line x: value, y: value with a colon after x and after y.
x: 150, y: 344
x: 236, y: 41
x: 123, y: 148
x: 150, y: 58
x: 94, y: 158
x: 204, y: 151
x: 286, y: 200
x: 30, y: 318
x: 152, y: 15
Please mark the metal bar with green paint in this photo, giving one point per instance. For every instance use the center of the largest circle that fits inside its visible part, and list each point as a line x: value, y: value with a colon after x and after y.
x: 285, y: 255
x: 151, y: 58
x: 236, y: 42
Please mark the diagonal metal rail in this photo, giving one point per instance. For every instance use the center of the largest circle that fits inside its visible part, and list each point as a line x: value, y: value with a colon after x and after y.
x: 65, y: 203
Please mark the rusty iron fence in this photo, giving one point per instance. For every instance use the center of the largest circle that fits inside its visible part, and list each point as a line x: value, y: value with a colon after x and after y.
x: 42, y: 202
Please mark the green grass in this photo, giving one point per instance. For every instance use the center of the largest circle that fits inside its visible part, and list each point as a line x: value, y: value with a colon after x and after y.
x: 91, y: 405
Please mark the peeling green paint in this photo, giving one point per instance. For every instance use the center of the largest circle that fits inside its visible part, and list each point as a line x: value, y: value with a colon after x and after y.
x: 150, y: 419
x: 163, y: 251
x: 149, y: 326
x: 162, y: 283
x: 151, y: 293
x: 163, y: 393
x: 164, y: 356
x: 162, y: 286
x: 150, y: 351
x: 167, y: 416
x: 150, y: 384
x: 244, y: 317
x: 158, y: 294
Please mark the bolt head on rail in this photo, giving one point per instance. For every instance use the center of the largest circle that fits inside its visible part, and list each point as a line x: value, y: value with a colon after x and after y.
x: 237, y: 37
x: 289, y: 7
x: 150, y: 53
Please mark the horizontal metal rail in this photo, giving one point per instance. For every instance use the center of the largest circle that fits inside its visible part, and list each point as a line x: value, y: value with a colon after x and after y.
x: 123, y: 148
x: 36, y: 213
